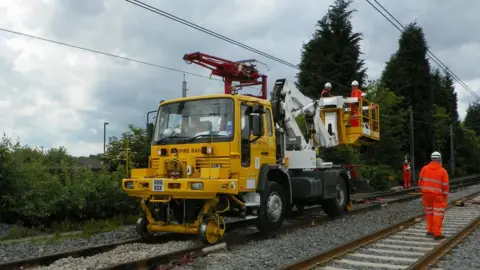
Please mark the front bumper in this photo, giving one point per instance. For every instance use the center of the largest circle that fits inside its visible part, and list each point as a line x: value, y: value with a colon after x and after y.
x: 183, y: 188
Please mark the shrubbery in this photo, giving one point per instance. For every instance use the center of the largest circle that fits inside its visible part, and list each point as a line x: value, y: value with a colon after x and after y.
x: 43, y: 187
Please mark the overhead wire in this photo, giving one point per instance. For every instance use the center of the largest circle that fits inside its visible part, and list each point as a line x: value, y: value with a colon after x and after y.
x: 432, y: 56
x: 438, y: 61
x: 209, y: 32
x: 106, y: 54
x: 224, y: 38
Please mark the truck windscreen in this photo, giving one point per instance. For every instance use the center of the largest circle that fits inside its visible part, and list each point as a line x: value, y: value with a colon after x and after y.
x: 195, y: 121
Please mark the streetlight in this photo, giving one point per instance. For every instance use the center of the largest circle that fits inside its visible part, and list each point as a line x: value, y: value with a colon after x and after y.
x: 104, y: 135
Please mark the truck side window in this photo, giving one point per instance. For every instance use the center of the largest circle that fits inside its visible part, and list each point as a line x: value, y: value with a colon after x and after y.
x: 269, y: 123
x: 245, y: 136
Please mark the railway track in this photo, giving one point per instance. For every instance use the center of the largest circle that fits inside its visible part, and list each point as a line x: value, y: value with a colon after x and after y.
x: 309, y: 219
x: 401, y: 246
x: 457, y: 182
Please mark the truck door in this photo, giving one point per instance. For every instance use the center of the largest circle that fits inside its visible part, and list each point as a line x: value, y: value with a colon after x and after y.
x: 252, y: 153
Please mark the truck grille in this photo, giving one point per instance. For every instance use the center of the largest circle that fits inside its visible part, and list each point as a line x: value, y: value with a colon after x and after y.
x: 212, y: 163
x: 154, y: 163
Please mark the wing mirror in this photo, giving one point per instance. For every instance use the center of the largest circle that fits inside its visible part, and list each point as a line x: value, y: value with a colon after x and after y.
x: 149, y: 131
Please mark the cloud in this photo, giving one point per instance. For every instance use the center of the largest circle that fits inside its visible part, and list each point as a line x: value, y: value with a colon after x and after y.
x: 55, y: 95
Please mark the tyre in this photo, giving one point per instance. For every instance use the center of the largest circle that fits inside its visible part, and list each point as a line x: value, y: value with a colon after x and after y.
x: 272, y: 208
x: 336, y: 206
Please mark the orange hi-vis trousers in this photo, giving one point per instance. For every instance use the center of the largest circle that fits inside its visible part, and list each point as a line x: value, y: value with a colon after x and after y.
x: 406, y: 179
x: 434, y: 205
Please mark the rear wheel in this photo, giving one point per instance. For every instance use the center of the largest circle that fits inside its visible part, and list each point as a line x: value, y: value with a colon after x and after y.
x: 272, y: 208
x: 336, y: 206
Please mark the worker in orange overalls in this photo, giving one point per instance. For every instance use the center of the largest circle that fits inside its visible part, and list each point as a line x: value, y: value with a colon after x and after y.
x: 433, y: 184
x: 327, y: 90
x: 407, y: 174
x: 355, y: 114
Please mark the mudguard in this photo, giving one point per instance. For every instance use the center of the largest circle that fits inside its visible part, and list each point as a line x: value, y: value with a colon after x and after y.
x: 330, y: 178
x: 263, y: 178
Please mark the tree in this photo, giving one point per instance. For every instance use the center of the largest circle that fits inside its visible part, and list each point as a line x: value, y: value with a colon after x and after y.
x: 472, y: 118
x: 393, y: 118
x: 332, y: 54
x: 407, y: 74
x: 138, y: 149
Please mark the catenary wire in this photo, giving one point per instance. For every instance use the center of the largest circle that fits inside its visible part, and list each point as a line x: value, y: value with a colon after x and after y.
x: 429, y: 53
x: 106, y: 54
x: 222, y: 37
x: 438, y: 62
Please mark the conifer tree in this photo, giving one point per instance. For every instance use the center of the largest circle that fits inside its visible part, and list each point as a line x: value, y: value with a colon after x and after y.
x: 472, y: 118
x: 407, y: 74
x: 333, y: 54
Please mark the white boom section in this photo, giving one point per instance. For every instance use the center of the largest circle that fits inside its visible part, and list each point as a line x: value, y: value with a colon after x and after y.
x: 293, y: 104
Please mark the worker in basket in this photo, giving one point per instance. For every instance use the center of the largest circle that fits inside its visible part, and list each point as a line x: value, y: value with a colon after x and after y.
x: 433, y: 184
x: 355, y: 111
x: 407, y: 174
x: 327, y: 91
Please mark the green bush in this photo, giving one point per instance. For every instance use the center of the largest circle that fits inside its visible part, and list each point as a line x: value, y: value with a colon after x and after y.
x: 378, y: 176
x: 34, y: 194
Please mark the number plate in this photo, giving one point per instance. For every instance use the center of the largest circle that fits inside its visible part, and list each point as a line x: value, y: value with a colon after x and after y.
x: 157, y: 185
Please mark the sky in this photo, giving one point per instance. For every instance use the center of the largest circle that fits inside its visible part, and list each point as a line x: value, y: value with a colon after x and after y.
x: 53, y: 95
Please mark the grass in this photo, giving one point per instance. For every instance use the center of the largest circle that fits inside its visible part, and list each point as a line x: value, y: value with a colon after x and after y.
x: 85, y: 229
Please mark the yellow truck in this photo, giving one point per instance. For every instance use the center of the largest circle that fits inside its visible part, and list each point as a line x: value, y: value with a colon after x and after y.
x: 238, y: 155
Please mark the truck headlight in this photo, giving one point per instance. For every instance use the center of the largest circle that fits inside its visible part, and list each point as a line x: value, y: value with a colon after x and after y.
x: 128, y: 184
x: 197, y: 186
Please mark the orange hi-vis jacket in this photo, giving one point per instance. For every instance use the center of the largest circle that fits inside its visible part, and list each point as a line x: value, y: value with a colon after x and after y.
x: 434, y: 179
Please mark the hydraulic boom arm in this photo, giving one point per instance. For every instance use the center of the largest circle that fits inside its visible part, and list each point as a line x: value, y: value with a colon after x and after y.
x: 243, y: 72
x: 291, y: 103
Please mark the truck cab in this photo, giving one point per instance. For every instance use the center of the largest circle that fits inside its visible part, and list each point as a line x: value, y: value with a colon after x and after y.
x: 208, y: 155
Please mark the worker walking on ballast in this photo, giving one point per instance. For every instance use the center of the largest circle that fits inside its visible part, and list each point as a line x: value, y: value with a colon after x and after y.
x: 433, y: 183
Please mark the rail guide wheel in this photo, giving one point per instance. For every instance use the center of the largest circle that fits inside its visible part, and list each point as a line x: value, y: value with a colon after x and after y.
x: 141, y: 227
x: 212, y: 229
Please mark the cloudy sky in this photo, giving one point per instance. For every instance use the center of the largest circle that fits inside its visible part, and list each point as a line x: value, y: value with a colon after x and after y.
x: 53, y: 95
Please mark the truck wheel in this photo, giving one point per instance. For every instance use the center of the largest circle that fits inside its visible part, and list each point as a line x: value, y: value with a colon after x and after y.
x: 141, y: 227
x: 272, y: 208
x: 336, y: 206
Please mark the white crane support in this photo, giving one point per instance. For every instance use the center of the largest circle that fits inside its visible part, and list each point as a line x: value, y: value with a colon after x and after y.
x: 301, y: 152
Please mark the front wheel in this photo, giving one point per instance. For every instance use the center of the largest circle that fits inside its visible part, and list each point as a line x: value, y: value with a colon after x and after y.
x: 272, y: 208
x: 336, y: 206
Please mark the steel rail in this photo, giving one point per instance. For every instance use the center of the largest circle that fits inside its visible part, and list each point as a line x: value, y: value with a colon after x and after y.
x: 455, y: 181
x: 424, y: 262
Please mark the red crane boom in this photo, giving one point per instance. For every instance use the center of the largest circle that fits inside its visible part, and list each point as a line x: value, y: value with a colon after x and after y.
x: 243, y: 72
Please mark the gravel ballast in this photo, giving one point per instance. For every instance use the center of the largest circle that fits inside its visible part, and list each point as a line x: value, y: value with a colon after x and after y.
x: 121, y: 254
x: 465, y: 256
x: 22, y: 250
x: 302, y: 243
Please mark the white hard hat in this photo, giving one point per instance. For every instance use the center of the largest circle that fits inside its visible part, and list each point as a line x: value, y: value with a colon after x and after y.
x: 436, y: 156
x: 355, y: 83
x: 328, y: 85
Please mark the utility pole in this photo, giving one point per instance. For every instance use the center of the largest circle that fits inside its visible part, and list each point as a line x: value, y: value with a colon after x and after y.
x: 412, y: 146
x: 184, y: 87
x: 104, y: 135
x: 452, y: 152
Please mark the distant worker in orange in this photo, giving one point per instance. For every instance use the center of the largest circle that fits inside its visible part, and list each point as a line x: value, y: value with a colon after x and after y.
x: 433, y: 184
x: 327, y: 91
x: 355, y: 114
x: 407, y: 174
